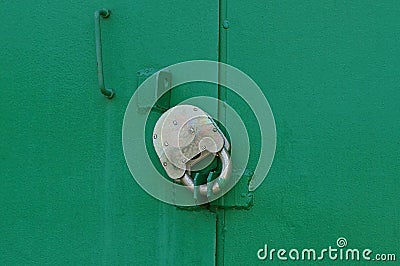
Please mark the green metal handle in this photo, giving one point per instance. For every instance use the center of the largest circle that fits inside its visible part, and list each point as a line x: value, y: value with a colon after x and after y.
x: 104, y: 13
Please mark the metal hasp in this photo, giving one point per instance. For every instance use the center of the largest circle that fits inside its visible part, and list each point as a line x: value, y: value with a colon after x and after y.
x: 159, y: 92
x: 104, y: 13
x: 186, y: 139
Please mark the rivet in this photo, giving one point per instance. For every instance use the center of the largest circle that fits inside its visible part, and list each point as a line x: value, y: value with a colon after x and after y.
x: 215, y: 129
x: 154, y: 136
x: 195, y: 109
x: 165, y: 143
x: 225, y: 24
x: 203, y: 147
x: 164, y: 163
x: 175, y: 122
x: 183, y: 160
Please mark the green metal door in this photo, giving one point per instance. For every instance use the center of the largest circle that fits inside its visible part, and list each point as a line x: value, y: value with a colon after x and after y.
x: 66, y: 193
x: 330, y: 73
x: 330, y: 70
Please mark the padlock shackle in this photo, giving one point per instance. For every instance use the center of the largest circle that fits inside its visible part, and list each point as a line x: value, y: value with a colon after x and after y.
x: 219, y: 182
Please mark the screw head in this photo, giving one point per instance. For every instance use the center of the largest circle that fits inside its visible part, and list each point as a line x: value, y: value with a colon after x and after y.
x: 166, y: 144
x: 225, y: 24
x: 164, y: 163
x: 175, y: 122
x: 215, y: 129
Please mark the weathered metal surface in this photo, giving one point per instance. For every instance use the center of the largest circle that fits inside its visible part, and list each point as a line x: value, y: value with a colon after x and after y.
x: 182, y: 133
x: 183, y: 137
x: 329, y: 69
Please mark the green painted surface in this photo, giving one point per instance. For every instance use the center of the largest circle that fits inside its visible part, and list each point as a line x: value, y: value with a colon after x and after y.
x: 330, y: 72
x: 66, y: 193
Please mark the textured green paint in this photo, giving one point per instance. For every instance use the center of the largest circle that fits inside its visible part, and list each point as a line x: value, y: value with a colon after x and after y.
x: 66, y: 195
x: 330, y: 70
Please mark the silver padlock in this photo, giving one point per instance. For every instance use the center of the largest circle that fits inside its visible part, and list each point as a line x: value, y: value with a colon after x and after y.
x: 184, y: 136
